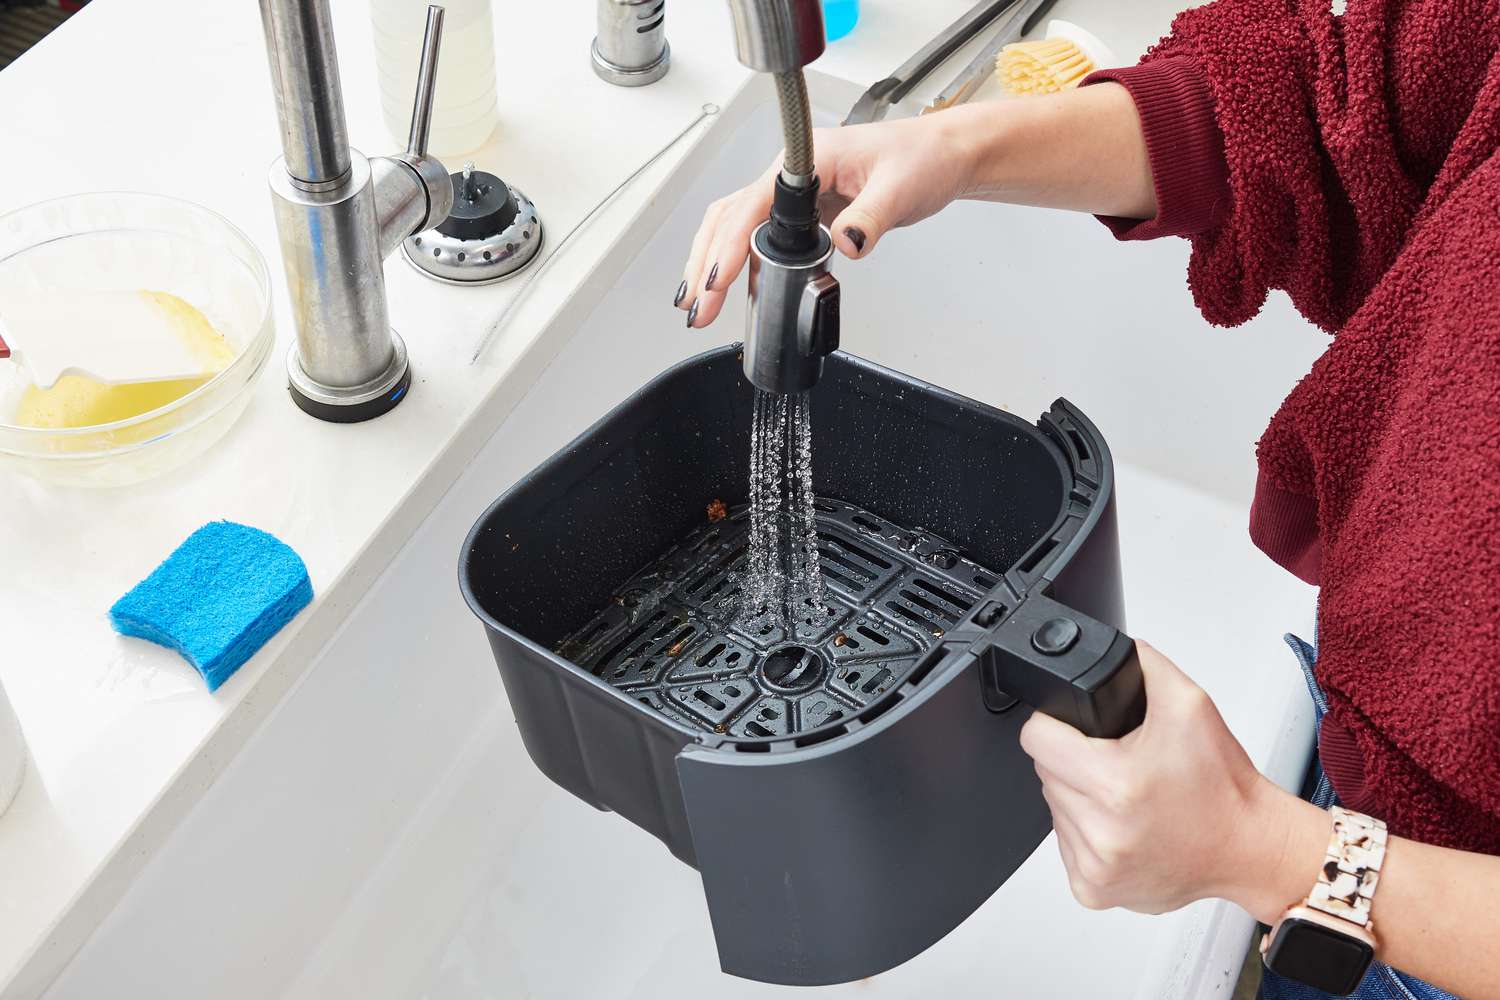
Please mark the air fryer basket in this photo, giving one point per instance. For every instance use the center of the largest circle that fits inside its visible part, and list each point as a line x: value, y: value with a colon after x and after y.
x: 841, y: 847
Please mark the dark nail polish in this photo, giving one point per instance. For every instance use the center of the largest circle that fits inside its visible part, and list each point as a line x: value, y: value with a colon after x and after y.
x: 692, y: 314
x: 857, y: 237
x: 681, y: 291
x: 713, y: 273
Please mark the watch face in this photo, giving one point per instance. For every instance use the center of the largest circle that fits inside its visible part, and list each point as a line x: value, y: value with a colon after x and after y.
x: 1319, y: 956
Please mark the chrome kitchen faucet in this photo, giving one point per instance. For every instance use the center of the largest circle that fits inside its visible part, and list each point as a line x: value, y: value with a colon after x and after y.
x: 340, y: 215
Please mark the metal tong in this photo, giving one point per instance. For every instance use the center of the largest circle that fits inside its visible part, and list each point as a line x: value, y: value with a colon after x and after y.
x: 874, y: 103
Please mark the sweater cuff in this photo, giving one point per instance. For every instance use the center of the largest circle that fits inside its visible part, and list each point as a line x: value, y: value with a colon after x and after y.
x: 1284, y: 526
x: 1188, y: 165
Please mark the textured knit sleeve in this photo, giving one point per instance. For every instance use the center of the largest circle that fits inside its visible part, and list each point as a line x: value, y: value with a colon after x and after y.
x: 1335, y: 130
x: 1184, y: 146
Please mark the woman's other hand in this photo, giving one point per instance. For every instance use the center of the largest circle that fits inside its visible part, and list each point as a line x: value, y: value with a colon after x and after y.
x: 874, y: 178
x: 1174, y: 811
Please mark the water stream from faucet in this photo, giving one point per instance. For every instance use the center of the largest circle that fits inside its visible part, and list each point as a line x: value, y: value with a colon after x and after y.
x: 784, y: 579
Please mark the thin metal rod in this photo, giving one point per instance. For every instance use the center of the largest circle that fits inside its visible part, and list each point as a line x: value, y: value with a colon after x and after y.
x: 421, y: 112
x: 309, y: 100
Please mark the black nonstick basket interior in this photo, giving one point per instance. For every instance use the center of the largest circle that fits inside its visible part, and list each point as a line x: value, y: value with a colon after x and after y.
x: 566, y: 540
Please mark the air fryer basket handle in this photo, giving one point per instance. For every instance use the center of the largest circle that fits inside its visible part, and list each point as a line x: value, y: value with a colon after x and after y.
x: 1066, y: 664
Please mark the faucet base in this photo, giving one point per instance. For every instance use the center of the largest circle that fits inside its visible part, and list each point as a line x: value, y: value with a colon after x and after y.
x: 631, y: 76
x: 350, y: 404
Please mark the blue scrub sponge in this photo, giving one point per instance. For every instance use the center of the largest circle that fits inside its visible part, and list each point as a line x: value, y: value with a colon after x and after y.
x: 217, y: 598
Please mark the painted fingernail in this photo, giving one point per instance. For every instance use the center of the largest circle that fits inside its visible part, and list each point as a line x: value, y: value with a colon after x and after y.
x: 692, y: 314
x: 857, y: 237
x: 713, y: 273
x: 681, y: 291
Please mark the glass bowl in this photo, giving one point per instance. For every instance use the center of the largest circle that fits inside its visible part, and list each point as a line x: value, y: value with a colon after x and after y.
x: 124, y: 242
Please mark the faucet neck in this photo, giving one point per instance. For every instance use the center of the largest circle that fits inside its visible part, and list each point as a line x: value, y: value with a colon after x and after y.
x: 309, y: 98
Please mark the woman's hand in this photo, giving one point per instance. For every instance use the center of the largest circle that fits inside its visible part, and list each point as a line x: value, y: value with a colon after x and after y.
x: 1082, y: 150
x: 874, y: 178
x: 1174, y: 811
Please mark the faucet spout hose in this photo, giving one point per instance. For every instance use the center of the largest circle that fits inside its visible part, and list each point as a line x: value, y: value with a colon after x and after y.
x: 796, y: 127
x: 794, y: 208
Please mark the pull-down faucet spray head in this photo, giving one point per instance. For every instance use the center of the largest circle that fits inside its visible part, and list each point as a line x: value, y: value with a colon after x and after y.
x: 793, y: 320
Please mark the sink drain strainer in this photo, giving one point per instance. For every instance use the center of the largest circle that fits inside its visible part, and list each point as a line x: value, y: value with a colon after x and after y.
x: 671, y: 637
x: 492, y: 232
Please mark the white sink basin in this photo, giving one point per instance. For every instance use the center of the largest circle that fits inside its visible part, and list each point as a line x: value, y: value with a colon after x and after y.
x: 384, y: 833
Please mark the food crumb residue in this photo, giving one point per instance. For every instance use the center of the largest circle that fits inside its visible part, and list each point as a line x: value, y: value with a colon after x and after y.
x: 717, y: 511
x: 840, y: 639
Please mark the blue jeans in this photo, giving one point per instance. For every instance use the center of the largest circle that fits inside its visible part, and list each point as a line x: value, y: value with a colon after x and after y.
x: 1382, y: 982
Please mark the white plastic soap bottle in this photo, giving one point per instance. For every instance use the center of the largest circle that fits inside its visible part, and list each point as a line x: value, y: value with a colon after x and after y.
x: 465, y: 111
x: 12, y: 753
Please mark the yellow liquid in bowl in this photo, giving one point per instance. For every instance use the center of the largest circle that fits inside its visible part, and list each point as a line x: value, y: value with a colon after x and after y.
x: 80, y: 401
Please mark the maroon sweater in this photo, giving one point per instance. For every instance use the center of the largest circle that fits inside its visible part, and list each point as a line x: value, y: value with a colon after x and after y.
x: 1352, y: 162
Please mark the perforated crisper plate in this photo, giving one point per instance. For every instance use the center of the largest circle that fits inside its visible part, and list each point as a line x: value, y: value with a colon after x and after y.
x: 671, y: 640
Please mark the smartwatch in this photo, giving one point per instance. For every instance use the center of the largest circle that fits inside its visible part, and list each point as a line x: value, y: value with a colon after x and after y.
x: 1327, y: 940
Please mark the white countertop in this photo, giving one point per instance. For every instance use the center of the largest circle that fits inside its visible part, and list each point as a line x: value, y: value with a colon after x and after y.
x: 173, y: 96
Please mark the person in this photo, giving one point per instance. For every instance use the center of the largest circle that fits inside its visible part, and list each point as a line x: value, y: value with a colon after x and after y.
x: 1349, y: 159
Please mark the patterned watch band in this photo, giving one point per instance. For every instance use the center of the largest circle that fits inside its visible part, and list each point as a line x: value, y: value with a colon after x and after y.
x: 1352, y: 867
